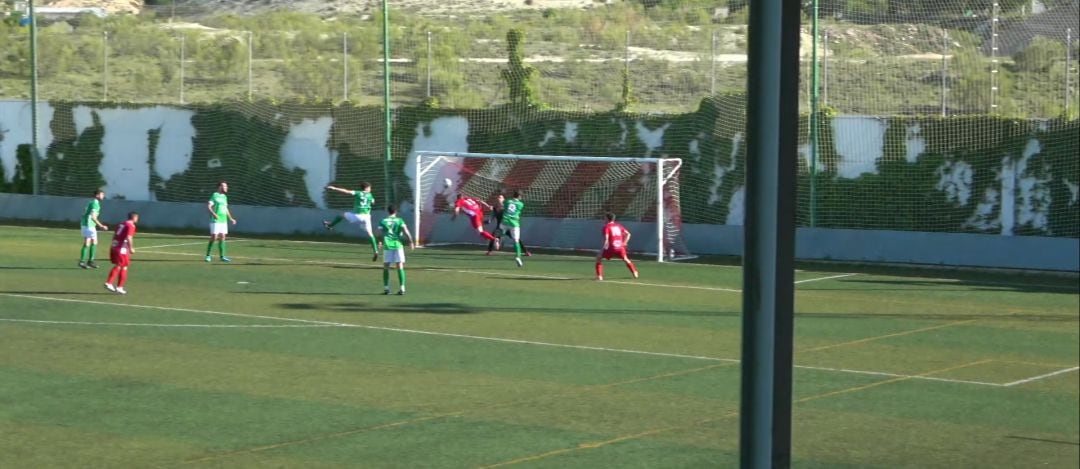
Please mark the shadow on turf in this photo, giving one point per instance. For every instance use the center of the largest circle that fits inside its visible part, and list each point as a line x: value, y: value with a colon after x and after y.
x: 1043, y: 440
x: 37, y: 268
x: 430, y: 308
x: 953, y: 285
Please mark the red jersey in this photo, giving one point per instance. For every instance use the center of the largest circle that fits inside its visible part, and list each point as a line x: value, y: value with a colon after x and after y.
x: 469, y: 205
x: 124, y: 231
x: 616, y: 235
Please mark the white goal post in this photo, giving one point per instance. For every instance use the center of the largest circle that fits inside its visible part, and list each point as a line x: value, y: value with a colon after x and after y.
x: 565, y: 198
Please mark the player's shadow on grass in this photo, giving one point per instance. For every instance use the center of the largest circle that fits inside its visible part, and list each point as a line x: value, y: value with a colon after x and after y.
x: 428, y: 308
x: 310, y: 293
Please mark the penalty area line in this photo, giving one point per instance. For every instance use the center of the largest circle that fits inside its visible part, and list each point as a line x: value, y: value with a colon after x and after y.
x: 142, y: 324
x: 1042, y: 376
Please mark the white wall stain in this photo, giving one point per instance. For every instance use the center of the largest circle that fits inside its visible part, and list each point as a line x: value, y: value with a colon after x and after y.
x: 954, y: 179
x: 719, y: 171
x: 983, y: 218
x: 736, y: 207
x: 652, y: 139
x: 307, y: 147
x: 915, y: 144
x: 16, y: 129
x: 547, y: 138
x: 1033, y: 190
x: 860, y: 143
x: 570, y: 132
x: 125, y: 165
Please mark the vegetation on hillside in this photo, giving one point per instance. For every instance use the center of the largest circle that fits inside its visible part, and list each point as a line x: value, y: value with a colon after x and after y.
x: 668, y: 54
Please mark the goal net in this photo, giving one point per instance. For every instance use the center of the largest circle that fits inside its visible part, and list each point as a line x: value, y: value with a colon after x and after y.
x: 565, y: 199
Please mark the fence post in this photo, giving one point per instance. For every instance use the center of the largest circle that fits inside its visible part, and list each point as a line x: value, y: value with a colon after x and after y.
x: 105, y: 66
x: 712, y: 61
x: 944, y: 72
x: 345, y: 65
x: 1068, y: 67
x: 183, y: 41
x: 251, y: 60
x: 993, y: 60
x: 429, y: 64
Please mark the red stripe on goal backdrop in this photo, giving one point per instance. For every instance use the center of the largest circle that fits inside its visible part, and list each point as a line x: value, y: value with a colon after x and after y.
x: 584, y: 176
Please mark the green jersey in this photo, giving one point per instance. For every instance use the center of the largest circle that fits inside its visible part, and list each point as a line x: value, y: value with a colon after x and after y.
x: 362, y: 202
x: 92, y: 209
x: 512, y: 212
x: 393, y: 229
x: 219, y: 203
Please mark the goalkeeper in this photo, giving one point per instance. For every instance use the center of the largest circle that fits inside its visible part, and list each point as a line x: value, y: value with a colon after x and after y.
x: 496, y: 225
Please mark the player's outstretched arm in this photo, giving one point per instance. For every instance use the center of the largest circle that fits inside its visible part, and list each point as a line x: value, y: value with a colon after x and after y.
x: 338, y: 189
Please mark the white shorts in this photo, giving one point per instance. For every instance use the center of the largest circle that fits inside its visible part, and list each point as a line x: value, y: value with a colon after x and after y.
x: 363, y: 219
x: 219, y: 228
x: 515, y: 233
x: 89, y: 232
x: 393, y: 256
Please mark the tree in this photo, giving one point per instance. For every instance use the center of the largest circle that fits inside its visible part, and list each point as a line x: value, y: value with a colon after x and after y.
x: 519, y: 76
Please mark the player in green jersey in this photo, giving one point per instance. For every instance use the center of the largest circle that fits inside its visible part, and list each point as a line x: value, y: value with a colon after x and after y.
x: 360, y: 214
x: 89, y: 224
x: 512, y: 209
x: 220, y: 216
x: 393, y: 228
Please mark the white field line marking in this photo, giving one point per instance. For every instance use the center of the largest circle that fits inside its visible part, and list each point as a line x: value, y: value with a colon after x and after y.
x: 141, y: 324
x: 1044, y: 376
x: 897, y: 375
x: 824, y: 278
x: 441, y: 269
x: 188, y: 244
x: 500, y: 339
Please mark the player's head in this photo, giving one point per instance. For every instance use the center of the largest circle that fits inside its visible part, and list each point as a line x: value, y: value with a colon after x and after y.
x: 500, y: 196
x: 223, y: 187
x: 365, y: 186
x: 516, y: 194
x: 133, y: 216
x: 392, y: 210
x: 99, y: 194
x: 610, y: 216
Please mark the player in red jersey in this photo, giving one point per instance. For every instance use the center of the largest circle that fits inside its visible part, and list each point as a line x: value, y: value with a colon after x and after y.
x: 120, y: 253
x: 474, y: 208
x: 616, y: 238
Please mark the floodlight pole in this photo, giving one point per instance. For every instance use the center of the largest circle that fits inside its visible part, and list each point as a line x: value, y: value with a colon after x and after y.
x: 772, y: 129
x: 388, y: 133
x: 34, y: 163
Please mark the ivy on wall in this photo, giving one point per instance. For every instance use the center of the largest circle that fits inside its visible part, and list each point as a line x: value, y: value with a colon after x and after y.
x: 241, y: 143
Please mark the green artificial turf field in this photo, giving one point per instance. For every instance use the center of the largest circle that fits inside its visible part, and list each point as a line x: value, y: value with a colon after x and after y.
x: 290, y: 356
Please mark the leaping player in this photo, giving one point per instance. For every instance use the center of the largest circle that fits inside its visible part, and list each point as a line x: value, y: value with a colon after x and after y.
x: 616, y: 238
x: 474, y: 208
x: 360, y: 214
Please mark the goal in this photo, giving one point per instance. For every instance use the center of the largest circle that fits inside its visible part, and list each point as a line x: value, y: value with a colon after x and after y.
x: 565, y: 198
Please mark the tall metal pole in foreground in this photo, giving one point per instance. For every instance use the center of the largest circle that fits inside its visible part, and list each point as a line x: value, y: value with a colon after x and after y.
x: 386, y: 103
x: 769, y: 250
x: 35, y: 166
x: 815, y: 114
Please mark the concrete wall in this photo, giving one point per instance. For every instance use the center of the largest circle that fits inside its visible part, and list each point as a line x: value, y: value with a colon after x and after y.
x: 945, y: 249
